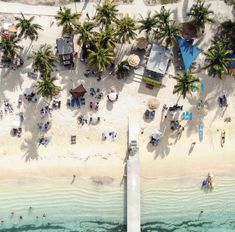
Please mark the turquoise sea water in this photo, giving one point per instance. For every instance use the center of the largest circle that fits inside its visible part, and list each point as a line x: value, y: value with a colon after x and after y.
x: 168, y: 205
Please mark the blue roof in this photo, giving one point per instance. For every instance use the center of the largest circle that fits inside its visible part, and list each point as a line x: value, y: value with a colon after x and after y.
x: 188, y: 51
x: 232, y: 62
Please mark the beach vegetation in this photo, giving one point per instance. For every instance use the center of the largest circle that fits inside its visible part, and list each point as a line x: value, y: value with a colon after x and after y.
x: 10, y: 47
x: 200, y: 14
x: 123, y: 69
x: 185, y: 83
x: 126, y: 28
x: 227, y: 32
x: 47, y: 88
x: 44, y: 60
x: 67, y: 20
x: 106, y: 38
x: 106, y: 13
x: 147, y: 24
x: 100, y: 57
x: 217, y: 58
x: 84, y: 32
x: 167, y: 30
x: 27, y: 28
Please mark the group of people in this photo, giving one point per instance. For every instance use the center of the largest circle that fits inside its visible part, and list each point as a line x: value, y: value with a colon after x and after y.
x: 44, y: 126
x: 8, y: 108
x: 45, y: 111
x: 31, y: 97
x: 111, y: 134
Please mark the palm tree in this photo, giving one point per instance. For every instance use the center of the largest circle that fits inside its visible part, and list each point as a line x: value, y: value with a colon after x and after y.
x: 163, y: 16
x: 199, y: 14
x: 10, y: 47
x: 28, y: 29
x: 47, y: 88
x: 67, y: 19
x: 167, y: 33
x: 185, y: 83
x: 100, y: 57
x: 84, y: 32
x: 106, y: 13
x: 126, y: 29
x: 44, y: 60
x: 226, y: 31
x: 147, y: 24
x: 123, y: 69
x: 106, y: 38
x: 217, y: 58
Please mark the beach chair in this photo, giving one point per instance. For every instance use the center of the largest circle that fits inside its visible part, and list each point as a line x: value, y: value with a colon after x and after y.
x: 183, y: 116
x: 195, y: 88
x: 152, y: 115
x: 73, y: 102
x: 200, y: 132
x: 202, y: 88
x: 190, y: 116
x: 77, y: 102
x: 186, y: 115
x: 147, y: 114
x: 73, y: 139
x: 68, y: 102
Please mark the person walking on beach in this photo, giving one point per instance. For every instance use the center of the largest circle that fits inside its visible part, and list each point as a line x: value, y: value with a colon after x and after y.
x: 87, y: 15
x: 74, y: 177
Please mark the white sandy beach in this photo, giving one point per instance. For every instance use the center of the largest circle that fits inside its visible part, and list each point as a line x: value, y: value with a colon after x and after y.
x: 91, y: 156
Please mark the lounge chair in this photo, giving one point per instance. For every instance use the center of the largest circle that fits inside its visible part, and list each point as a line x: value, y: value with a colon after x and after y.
x: 73, y: 139
x: 147, y: 114
x: 200, y: 132
x: 190, y: 116
x: 73, y: 102
x: 77, y: 102
x: 68, y: 102
x: 152, y: 114
x: 186, y: 115
x: 183, y: 116
x: 202, y: 88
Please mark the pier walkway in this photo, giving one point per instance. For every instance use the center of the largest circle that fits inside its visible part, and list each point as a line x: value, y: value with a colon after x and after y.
x: 133, y: 179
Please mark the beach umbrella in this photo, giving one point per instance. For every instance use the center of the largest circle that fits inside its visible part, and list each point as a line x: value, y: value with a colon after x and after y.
x: 112, y: 96
x: 133, y: 60
x: 153, y: 103
x: 142, y: 43
x: 28, y: 91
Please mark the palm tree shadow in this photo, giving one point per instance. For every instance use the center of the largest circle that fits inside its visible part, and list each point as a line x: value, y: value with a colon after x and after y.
x: 31, y: 147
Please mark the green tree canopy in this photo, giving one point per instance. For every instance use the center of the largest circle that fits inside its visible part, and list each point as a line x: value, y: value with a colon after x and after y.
x: 126, y: 28
x: 147, y: 24
x: 217, y: 58
x: 67, y: 19
x: 28, y: 29
x: 47, y: 88
x: 100, y: 57
x: 106, y: 13
x: 185, y: 83
x: 200, y: 14
x: 10, y: 47
x: 44, y: 60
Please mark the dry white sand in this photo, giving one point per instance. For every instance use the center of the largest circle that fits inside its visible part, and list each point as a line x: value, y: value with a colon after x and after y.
x: 93, y: 157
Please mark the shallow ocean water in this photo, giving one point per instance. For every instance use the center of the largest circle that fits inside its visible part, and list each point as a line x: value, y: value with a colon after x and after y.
x: 168, y: 205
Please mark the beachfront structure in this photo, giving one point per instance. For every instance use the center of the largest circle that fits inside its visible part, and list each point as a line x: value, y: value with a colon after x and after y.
x: 133, y: 179
x: 157, y: 64
x: 158, y: 59
x: 65, y: 49
x: 189, y: 52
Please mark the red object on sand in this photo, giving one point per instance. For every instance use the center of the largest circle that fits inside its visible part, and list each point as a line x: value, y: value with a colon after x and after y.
x: 5, y: 36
